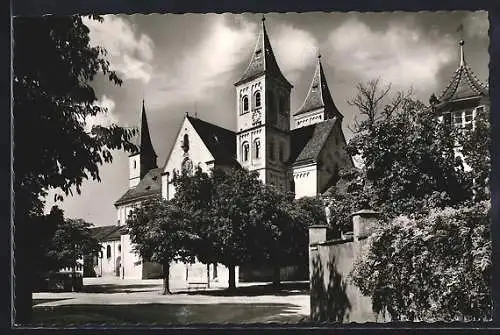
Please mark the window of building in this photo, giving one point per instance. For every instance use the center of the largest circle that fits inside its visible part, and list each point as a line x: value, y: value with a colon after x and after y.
x: 257, y: 148
x: 271, y: 150
x: 315, y: 87
x: 479, y: 110
x: 447, y: 119
x: 257, y: 99
x: 135, y: 164
x: 245, y: 104
x: 185, y: 143
x: 468, y: 116
x: 119, y: 248
x: 258, y: 53
x: 108, y: 251
x: 457, y: 119
x: 245, y: 151
x: 281, y: 153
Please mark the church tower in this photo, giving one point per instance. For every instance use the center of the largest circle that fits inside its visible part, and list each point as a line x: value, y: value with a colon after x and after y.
x: 318, y: 105
x: 263, y: 115
x: 144, y: 159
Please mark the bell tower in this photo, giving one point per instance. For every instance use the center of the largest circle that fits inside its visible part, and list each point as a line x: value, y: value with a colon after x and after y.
x: 143, y: 160
x: 263, y: 115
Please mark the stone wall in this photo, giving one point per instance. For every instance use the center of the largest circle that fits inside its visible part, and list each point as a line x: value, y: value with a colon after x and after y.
x: 333, y: 297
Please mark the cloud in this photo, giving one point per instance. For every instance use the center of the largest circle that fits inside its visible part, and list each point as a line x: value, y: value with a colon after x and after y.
x: 130, y: 52
x: 102, y: 119
x: 476, y: 24
x: 401, y: 54
x: 295, y: 49
x: 207, y: 65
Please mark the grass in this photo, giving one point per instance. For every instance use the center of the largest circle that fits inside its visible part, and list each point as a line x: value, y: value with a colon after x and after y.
x: 161, y: 314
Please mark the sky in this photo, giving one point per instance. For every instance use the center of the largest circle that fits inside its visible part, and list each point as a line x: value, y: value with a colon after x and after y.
x: 188, y: 63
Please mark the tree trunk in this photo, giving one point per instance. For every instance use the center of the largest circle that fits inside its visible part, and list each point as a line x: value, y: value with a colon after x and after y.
x: 23, y: 281
x: 232, y: 277
x: 166, y: 282
x: 23, y: 291
x: 276, y: 276
x: 208, y: 275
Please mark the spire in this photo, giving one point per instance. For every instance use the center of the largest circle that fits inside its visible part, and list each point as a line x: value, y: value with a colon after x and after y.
x: 143, y: 141
x: 464, y: 83
x: 319, y: 95
x: 462, y: 56
x: 263, y: 60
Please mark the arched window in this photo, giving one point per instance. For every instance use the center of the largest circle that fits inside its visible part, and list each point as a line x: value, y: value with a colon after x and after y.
x: 245, y: 151
x: 119, y: 248
x: 108, y: 251
x: 185, y: 143
x: 257, y: 99
x: 257, y: 147
x: 245, y: 104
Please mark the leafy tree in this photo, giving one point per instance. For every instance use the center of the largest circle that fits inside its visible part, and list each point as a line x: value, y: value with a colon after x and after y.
x: 348, y: 196
x: 230, y: 225
x: 409, y: 160
x: 160, y: 233
x: 436, y: 267
x: 53, y: 99
x: 475, y: 145
x: 71, y: 241
x: 430, y: 259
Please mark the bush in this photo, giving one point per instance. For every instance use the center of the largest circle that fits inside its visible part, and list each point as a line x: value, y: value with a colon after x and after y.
x: 435, y: 267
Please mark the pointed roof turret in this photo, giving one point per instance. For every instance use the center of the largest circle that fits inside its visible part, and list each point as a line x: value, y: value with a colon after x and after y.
x: 464, y: 83
x: 263, y: 60
x: 145, y: 146
x: 319, y: 95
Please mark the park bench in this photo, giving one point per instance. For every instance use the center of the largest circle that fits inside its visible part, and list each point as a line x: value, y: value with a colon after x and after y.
x: 197, y: 285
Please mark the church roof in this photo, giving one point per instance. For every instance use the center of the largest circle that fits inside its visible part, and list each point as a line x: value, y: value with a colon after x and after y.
x: 319, y: 95
x: 106, y: 233
x: 143, y: 139
x: 149, y: 185
x: 307, y: 142
x: 263, y: 61
x: 219, y: 141
x: 464, y: 83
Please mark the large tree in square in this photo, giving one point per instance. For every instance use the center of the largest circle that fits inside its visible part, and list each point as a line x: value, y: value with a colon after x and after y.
x: 54, y: 66
x: 160, y: 233
x: 219, y: 204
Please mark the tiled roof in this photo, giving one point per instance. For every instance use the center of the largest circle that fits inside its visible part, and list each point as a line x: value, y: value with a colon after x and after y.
x: 319, y: 95
x: 464, y: 83
x: 220, y: 142
x: 107, y: 233
x: 148, y: 186
x: 307, y: 142
x: 263, y: 61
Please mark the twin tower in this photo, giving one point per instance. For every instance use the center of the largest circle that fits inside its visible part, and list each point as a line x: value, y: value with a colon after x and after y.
x: 264, y: 140
x: 307, y: 156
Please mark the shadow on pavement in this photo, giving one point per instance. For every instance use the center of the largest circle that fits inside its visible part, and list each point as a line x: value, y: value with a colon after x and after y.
x: 165, y: 314
x: 114, y: 288
x: 285, y: 289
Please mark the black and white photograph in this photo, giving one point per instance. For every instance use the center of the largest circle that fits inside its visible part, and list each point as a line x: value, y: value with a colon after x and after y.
x: 254, y: 168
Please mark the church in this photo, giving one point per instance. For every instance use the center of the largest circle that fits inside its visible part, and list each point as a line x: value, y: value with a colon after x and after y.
x: 300, y: 151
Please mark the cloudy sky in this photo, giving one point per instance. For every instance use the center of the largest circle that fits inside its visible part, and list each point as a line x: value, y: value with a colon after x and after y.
x: 188, y: 63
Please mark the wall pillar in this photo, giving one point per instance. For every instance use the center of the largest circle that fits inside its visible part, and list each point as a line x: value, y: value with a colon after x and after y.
x: 363, y: 223
x: 317, y: 233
